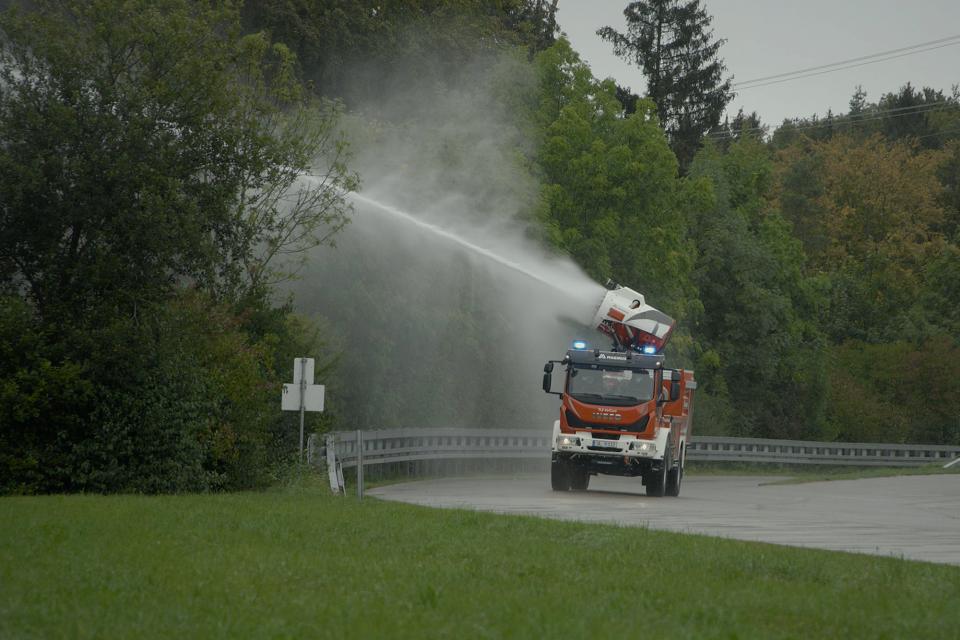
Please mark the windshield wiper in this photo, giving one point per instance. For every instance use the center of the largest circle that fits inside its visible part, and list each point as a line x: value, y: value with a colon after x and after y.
x: 594, y: 396
x: 600, y: 398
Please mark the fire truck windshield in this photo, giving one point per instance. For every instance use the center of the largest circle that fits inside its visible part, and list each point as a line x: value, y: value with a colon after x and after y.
x: 618, y: 387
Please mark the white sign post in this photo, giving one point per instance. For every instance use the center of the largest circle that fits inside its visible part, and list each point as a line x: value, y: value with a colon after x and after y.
x: 302, y: 395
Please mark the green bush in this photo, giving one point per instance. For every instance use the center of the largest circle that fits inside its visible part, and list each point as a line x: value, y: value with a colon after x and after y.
x: 43, y: 398
x: 182, y: 398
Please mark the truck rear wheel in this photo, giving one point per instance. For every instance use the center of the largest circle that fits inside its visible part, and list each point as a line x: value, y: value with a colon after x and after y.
x: 579, y: 479
x: 560, y: 475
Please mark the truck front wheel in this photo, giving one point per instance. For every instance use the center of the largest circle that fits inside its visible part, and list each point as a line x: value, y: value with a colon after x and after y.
x: 560, y: 475
x: 656, y: 479
x: 579, y: 478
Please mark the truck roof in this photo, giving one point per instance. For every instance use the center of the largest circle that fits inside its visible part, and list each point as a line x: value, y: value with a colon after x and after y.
x: 626, y: 360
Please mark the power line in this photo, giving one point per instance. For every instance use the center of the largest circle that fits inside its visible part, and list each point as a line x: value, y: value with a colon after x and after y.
x: 939, y: 133
x: 868, y: 114
x: 842, y: 62
x: 848, y: 120
x: 851, y: 66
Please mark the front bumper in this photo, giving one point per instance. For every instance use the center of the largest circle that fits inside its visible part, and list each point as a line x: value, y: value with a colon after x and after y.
x: 584, y: 444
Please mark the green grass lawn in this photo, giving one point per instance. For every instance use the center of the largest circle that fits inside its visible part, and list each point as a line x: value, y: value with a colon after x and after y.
x: 299, y: 563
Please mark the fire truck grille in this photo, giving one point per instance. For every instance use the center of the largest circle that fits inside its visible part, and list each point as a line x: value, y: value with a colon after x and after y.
x: 635, y: 427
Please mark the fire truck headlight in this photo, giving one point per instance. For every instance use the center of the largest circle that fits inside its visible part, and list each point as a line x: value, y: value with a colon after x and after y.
x: 568, y: 441
x: 645, y: 448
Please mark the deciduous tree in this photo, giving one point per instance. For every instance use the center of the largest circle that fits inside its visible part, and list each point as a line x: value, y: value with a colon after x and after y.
x: 611, y: 194
x: 145, y: 143
x: 151, y: 159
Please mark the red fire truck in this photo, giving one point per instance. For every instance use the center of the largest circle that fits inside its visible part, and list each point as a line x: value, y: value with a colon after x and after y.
x: 622, y: 411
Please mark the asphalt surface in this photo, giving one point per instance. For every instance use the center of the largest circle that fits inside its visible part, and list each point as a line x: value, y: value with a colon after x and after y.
x: 914, y: 517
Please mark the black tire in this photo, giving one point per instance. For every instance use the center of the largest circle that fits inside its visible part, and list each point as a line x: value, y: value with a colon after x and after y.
x: 579, y: 479
x: 657, y: 480
x: 674, y: 478
x: 560, y: 475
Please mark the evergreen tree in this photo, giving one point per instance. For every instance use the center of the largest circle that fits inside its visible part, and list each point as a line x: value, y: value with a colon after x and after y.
x: 671, y: 41
x: 918, y: 114
x: 741, y: 126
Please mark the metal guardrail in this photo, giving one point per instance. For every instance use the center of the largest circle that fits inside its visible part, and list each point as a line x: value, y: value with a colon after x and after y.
x: 411, y: 445
x: 414, y: 446
x: 723, y: 449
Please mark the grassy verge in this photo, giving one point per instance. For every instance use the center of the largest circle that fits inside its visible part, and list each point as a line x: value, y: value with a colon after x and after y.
x: 859, y: 473
x: 301, y: 563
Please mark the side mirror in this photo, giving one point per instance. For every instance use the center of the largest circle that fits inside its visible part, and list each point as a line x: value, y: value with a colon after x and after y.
x: 548, y: 379
x: 674, y: 391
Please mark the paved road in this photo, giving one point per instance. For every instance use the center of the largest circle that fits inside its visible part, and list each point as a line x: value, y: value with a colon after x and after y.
x: 917, y: 517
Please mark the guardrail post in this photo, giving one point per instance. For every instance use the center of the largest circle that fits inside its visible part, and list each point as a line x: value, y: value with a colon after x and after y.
x: 334, y: 470
x: 359, y: 464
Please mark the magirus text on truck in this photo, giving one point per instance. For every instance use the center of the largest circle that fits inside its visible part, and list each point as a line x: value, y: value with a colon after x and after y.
x: 622, y: 412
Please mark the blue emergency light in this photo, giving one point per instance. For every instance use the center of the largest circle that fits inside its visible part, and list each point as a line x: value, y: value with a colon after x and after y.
x: 649, y: 349
x: 579, y: 344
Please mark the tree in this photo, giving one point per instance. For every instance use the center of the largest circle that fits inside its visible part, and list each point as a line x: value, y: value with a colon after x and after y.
x: 148, y: 156
x: 926, y: 116
x: 758, y: 323
x: 535, y: 21
x: 671, y: 41
x: 139, y: 148
x: 628, y: 99
x: 742, y: 125
x: 896, y: 392
x: 364, y: 52
x: 611, y: 197
x: 869, y: 213
x: 913, y: 113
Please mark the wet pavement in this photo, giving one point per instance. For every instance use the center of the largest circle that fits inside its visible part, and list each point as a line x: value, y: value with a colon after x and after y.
x: 915, y: 517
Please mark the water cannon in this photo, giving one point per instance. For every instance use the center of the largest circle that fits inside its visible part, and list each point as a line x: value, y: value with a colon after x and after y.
x: 632, y: 324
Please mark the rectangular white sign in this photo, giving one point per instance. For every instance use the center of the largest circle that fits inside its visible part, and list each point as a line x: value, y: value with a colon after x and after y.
x: 298, y: 367
x: 313, y: 401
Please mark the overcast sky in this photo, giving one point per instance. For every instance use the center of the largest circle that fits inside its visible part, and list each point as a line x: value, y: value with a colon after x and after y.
x: 777, y: 36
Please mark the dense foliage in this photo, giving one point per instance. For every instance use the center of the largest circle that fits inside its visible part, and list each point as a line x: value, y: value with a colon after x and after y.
x: 364, y: 51
x: 145, y: 148
x: 814, y: 273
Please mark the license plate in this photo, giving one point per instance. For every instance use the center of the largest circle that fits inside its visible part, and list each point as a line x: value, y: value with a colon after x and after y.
x: 607, y: 444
